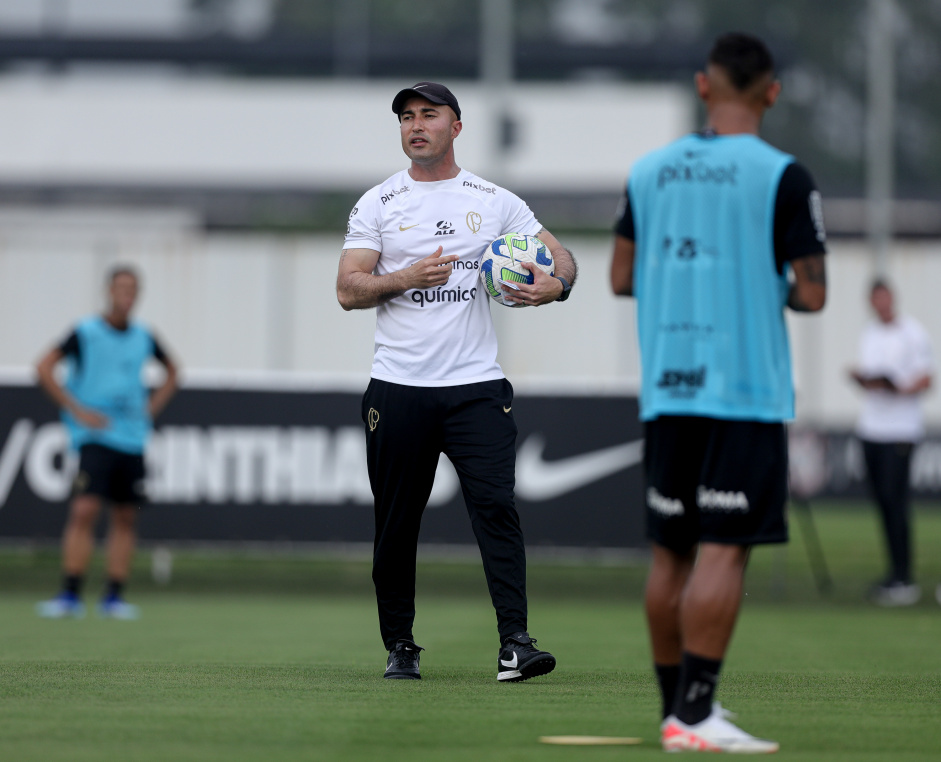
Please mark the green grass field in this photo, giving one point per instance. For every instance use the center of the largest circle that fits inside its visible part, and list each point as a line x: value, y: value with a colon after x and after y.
x: 246, y: 657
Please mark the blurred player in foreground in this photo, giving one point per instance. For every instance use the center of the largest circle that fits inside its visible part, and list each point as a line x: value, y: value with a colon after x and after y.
x: 108, y: 412
x: 894, y: 368
x: 412, y: 251
x: 718, y: 233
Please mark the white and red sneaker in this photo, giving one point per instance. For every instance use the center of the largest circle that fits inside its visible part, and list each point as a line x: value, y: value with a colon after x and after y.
x: 714, y: 734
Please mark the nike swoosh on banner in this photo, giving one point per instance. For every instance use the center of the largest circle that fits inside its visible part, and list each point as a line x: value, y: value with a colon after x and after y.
x: 512, y: 663
x: 538, y: 479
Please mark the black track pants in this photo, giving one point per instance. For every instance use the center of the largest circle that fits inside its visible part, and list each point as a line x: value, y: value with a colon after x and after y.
x: 888, y: 465
x: 407, y: 427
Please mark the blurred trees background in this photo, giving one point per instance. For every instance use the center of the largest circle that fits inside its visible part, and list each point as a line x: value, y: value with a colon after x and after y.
x: 820, y: 48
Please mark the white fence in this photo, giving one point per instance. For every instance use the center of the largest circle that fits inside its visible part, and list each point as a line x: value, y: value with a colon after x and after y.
x: 265, y: 304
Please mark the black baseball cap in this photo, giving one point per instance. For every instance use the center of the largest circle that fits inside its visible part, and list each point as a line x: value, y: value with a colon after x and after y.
x: 431, y: 91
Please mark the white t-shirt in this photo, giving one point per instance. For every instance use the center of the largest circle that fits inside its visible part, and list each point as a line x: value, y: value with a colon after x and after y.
x: 900, y: 351
x: 442, y: 336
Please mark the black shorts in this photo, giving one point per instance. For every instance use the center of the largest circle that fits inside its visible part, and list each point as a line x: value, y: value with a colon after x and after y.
x: 711, y: 480
x: 114, y: 475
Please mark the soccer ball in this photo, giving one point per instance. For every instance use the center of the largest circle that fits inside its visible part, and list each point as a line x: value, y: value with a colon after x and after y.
x: 501, y: 263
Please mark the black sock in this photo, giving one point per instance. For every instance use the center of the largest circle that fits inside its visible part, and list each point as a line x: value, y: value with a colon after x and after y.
x: 696, y: 689
x: 115, y: 588
x: 668, y: 675
x: 72, y: 584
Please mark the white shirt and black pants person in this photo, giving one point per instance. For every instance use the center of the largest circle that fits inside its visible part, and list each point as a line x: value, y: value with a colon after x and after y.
x: 894, y: 367
x: 436, y: 386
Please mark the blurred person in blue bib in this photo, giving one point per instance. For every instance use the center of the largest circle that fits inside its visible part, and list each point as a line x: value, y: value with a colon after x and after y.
x: 109, y: 414
x: 718, y: 233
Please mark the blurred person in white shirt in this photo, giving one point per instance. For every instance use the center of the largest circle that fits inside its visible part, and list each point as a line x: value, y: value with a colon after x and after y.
x: 894, y: 368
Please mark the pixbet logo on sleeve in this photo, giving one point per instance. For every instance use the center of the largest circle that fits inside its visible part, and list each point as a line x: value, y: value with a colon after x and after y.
x: 392, y: 194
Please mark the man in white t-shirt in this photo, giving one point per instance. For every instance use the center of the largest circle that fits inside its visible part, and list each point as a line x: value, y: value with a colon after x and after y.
x: 412, y: 251
x: 894, y: 368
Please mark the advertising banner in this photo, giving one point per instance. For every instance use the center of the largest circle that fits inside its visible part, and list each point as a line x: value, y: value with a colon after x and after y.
x: 830, y: 464
x: 257, y: 465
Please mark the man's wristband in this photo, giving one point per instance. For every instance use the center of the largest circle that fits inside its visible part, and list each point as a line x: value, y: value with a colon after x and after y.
x: 566, y: 289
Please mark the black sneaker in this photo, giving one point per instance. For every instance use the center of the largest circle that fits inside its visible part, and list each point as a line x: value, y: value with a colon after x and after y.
x: 403, y: 661
x: 519, y: 659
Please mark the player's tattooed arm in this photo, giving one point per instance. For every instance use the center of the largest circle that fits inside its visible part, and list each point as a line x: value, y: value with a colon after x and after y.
x: 808, y: 292
x: 359, y: 287
x: 622, y: 266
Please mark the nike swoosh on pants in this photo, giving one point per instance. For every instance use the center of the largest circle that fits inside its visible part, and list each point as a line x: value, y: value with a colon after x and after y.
x: 538, y: 479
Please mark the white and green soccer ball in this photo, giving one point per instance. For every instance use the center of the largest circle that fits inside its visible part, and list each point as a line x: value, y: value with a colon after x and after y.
x: 501, y: 260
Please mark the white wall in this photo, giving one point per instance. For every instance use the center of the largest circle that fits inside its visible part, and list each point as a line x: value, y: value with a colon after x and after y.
x: 315, y: 134
x: 259, y: 303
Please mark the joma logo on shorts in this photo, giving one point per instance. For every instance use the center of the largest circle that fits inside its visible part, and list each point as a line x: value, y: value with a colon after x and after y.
x: 718, y: 500
x: 690, y: 379
x: 665, y: 506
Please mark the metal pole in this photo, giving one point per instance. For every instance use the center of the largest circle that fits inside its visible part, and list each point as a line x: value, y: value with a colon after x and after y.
x: 880, y: 130
x: 496, y: 74
x: 351, y: 38
x: 496, y: 42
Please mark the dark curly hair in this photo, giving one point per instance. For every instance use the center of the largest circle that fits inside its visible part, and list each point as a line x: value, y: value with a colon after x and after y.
x: 745, y: 59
